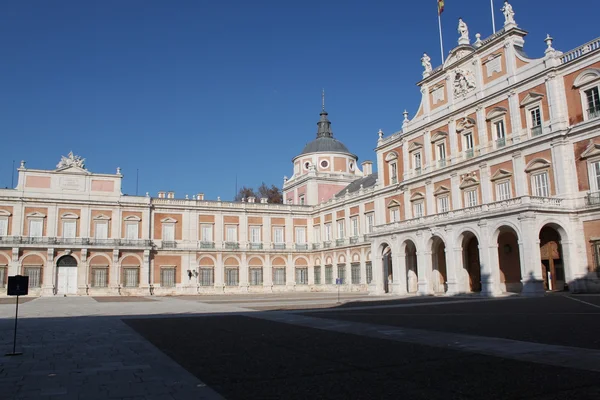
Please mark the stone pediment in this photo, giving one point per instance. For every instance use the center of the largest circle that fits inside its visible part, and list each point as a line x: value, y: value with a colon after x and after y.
x: 4, y: 213
x: 415, y: 146
x: 465, y: 123
x: 532, y: 97
x: 133, y: 218
x: 72, y: 169
x: 168, y: 220
x: 468, y: 182
x: 495, y: 113
x: 417, y: 196
x: 441, y: 190
x: 36, y: 215
x: 101, y: 217
x: 588, y: 76
x: 537, y: 164
x: 501, y: 174
x: 592, y: 150
x: 72, y: 163
x: 439, y: 135
x: 459, y: 53
x: 393, y: 203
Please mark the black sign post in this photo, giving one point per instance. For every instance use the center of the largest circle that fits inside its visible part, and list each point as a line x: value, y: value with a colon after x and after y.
x: 17, y: 286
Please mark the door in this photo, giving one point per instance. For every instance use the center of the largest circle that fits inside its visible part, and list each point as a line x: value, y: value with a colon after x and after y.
x: 67, y: 280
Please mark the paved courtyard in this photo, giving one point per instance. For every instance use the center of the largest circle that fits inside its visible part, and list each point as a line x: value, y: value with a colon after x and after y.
x: 299, y: 346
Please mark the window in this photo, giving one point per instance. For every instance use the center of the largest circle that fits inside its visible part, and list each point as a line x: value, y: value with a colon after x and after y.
x: 231, y: 234
x: 36, y: 227
x: 594, y: 180
x: 471, y: 198
x: 69, y: 229
x: 541, y: 187
x: 168, y: 232
x: 302, y: 200
x: 317, y: 234
x: 355, y: 273
x: 441, y: 154
x: 131, y: 277
x: 340, y: 230
x: 328, y: 232
x: 418, y: 209
x: 131, y: 230
x: 395, y: 214
x: 278, y: 276
x: 535, y: 120
x: 597, y: 251
x: 500, y: 133
x: 417, y: 161
x: 300, y: 235
x: 394, y: 172
x: 301, y: 276
x: 101, y: 230
x: 341, y: 270
x: 206, y: 232
x: 35, y: 276
x: 369, y: 272
x: 469, y: 145
x: 317, y: 275
x: 443, y: 204
x: 503, y: 191
x: 324, y: 164
x: 231, y: 276
x: 328, y: 274
x: 254, y: 234
x: 167, y: 277
x: 278, y: 235
x: 3, y: 226
x: 256, y: 276
x: 370, y: 221
x: 593, y: 102
x: 354, y: 224
x: 3, y: 277
x: 206, y: 277
x: 99, y: 276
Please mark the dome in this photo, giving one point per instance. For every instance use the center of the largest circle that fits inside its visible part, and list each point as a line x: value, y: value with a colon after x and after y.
x: 325, y: 145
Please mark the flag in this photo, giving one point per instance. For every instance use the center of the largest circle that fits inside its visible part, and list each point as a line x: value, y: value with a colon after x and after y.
x: 440, y: 7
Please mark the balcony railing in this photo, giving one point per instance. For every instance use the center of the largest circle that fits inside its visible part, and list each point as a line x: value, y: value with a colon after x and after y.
x: 592, y: 199
x: 316, y: 246
x: 255, y: 246
x: 326, y: 245
x: 418, y: 171
x: 231, y: 245
x: 500, y: 142
x: 168, y: 245
x: 394, y: 180
x: 469, y: 153
x: 536, y: 130
x: 301, y: 246
x: 135, y: 243
x: 340, y: 242
x: 54, y: 241
x: 207, y: 245
x: 441, y: 163
x: 279, y: 246
x: 354, y: 240
x: 594, y: 112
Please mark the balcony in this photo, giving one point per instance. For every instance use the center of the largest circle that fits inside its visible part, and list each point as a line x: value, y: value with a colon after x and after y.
x: 10, y: 240
x: 354, y: 240
x: 168, y: 244
x: 326, y: 245
x: 316, y: 246
x: 278, y: 246
x: 594, y: 112
x: 255, y: 246
x: 301, y: 246
x: 592, y: 199
x: 134, y: 243
x: 469, y: 153
x: 394, y: 180
x: 231, y: 245
x: 501, y: 142
x: 536, y: 130
x: 78, y: 242
x: 340, y: 242
x: 206, y: 245
x: 441, y: 163
x: 418, y: 171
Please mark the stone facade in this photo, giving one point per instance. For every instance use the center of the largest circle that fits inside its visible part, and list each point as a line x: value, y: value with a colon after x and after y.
x: 493, y: 187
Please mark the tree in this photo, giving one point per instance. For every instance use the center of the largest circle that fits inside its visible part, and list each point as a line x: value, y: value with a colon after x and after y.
x: 272, y: 194
x: 244, y: 193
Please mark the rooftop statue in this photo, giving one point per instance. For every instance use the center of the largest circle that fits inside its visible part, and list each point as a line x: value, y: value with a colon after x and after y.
x: 426, y: 62
x: 509, y: 14
x: 463, y: 29
x: 71, y: 160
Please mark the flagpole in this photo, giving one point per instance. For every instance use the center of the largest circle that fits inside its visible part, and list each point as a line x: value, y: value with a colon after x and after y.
x: 493, y: 18
x: 441, y: 40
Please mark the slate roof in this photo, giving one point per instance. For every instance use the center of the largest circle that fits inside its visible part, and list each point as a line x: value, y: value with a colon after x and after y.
x: 366, y: 182
x: 325, y: 145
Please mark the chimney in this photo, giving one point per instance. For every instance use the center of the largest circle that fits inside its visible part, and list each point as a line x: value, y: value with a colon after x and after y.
x: 171, y: 195
x: 161, y: 195
x: 251, y: 199
x: 367, y: 167
x: 200, y: 196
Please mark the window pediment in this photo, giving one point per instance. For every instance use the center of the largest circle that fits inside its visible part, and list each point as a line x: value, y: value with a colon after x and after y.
x: 69, y: 216
x: 441, y: 190
x: 415, y: 146
x: 469, y: 182
x: 465, y: 124
x: 501, y: 174
x: 439, y: 135
x: 101, y: 217
x: 391, y: 156
x: 532, y: 97
x: 393, y: 204
x: 417, y: 196
x: 588, y: 76
x: 132, y: 218
x: 537, y: 164
x: 36, y: 215
x: 4, y: 213
x: 495, y: 113
x: 168, y: 220
x: 592, y: 150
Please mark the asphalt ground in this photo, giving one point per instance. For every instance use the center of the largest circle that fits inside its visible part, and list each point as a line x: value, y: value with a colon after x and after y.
x: 556, y: 319
x: 250, y: 358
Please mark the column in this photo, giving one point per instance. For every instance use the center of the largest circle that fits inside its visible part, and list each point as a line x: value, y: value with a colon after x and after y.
x: 243, y: 271
x: 482, y: 130
x: 519, y: 174
x: 565, y: 174
x: 453, y: 140
x: 399, y: 272
x: 290, y: 273
x: 376, y: 285
x: 515, y: 116
x: 363, y: 267
x: 83, y: 273
x: 423, y: 265
x: 430, y: 208
x: 405, y: 162
x: 428, y: 157
x: 456, y: 193
x: 219, y: 273
x: 48, y: 274
x: 13, y: 268
x: 114, y: 276
x: 488, y: 259
x: 486, y: 184
x: 145, y: 270
x: 267, y: 275
x: 531, y: 261
x: 218, y: 234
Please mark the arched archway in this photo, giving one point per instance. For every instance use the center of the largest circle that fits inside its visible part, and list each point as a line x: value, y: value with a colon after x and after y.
x: 552, y: 265
x: 471, y: 261
x: 66, y: 275
x: 439, y: 276
x: 509, y: 260
x: 412, y: 275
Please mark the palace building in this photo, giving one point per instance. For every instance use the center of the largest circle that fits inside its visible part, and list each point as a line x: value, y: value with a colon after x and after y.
x: 492, y: 187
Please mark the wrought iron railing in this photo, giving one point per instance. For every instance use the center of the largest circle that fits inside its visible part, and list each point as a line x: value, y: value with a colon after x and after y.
x: 354, y: 240
x: 340, y: 242
x: 441, y: 163
x: 316, y: 246
x: 469, y: 153
x: 536, y: 130
x: 594, y: 112
x: 326, y: 245
x: 207, y: 245
x: 168, y: 244
x: 301, y: 246
x: 592, y: 199
x: 255, y: 246
x: 500, y: 142
x: 279, y: 246
x: 231, y: 245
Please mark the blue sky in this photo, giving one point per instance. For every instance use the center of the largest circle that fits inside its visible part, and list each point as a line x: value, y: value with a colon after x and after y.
x: 193, y: 93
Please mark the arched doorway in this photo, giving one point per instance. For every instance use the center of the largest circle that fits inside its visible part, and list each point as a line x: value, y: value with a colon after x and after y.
x: 509, y: 260
x: 439, y: 276
x: 66, y: 275
x: 388, y: 274
x: 553, y: 269
x: 412, y: 275
x: 471, y: 262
